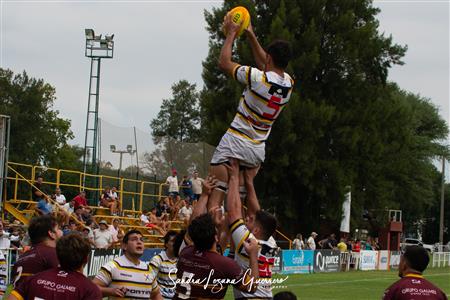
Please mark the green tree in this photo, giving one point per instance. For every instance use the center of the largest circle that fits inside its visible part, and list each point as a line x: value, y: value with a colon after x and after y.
x: 38, y: 135
x: 178, y: 116
x: 344, y: 125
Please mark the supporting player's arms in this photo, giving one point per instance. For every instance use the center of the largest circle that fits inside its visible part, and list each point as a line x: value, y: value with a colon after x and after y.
x: 249, y: 284
x: 156, y: 295
x: 258, y: 52
x: 225, y: 62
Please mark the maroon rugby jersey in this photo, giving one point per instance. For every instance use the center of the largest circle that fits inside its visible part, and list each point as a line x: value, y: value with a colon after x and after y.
x: 413, y: 287
x: 57, y: 284
x: 202, y: 269
x: 39, y: 258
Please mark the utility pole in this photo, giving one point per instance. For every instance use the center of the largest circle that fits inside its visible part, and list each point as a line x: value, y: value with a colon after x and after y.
x: 441, y: 221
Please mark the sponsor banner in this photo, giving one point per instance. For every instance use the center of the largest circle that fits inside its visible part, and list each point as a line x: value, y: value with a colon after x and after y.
x: 98, y: 258
x: 297, y: 261
x: 368, y: 260
x: 394, y: 260
x: 277, y: 263
x: 383, y: 260
x: 327, y: 260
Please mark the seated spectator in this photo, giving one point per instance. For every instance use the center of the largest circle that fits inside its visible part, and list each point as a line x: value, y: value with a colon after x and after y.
x: 71, y: 228
x: 88, y: 235
x: 59, y: 198
x: 69, y: 206
x: 44, y: 207
x: 184, y: 213
x: 5, y: 242
x: 412, y: 284
x: 147, y: 223
x: 163, y: 207
x: 116, y: 231
x: 108, y: 202
x: 113, y: 195
x: 81, y: 202
x: 103, y: 238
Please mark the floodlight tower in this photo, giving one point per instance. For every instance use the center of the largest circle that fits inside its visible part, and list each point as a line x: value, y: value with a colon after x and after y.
x: 96, y: 49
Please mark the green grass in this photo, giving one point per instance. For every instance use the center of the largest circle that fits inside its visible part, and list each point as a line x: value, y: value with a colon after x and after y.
x: 355, y: 285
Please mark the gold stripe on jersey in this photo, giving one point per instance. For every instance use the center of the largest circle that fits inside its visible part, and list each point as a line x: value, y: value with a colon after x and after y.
x: 105, y: 272
x: 256, y: 114
x: 243, y: 118
x: 234, y: 73
x: 240, y: 245
x: 237, y: 132
x: 132, y: 269
x: 233, y: 226
x: 17, y: 295
x: 133, y: 283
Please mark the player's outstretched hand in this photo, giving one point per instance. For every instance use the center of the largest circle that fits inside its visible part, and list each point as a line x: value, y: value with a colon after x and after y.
x: 209, y: 184
x: 230, y: 27
x: 249, y: 29
x: 251, y: 246
x: 232, y: 167
x: 218, y: 216
x: 250, y: 174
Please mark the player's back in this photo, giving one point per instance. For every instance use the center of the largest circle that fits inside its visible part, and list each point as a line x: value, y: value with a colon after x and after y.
x: 39, y: 258
x: 200, y: 272
x: 57, y: 284
x: 413, y: 286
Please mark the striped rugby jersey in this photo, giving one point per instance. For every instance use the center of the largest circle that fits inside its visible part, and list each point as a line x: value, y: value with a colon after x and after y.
x: 138, y: 279
x: 262, y: 101
x: 266, y: 259
x: 165, y: 271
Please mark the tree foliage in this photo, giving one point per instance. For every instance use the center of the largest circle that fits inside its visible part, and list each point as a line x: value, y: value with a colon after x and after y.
x: 345, y: 124
x: 38, y: 134
x: 178, y: 116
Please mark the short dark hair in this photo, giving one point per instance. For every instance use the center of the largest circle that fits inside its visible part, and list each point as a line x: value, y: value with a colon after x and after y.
x: 39, y: 228
x: 127, y: 235
x: 286, y: 295
x: 267, y: 222
x: 281, y: 53
x: 72, y: 251
x: 168, y: 236
x: 416, y: 257
x: 202, y: 231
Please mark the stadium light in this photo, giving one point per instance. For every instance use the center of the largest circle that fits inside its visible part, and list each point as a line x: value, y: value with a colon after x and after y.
x: 90, y: 35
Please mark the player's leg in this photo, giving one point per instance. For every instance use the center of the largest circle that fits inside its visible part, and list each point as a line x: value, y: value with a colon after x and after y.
x: 217, y: 195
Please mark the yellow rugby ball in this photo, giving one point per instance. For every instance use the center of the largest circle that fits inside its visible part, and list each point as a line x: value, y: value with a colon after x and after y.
x: 240, y: 16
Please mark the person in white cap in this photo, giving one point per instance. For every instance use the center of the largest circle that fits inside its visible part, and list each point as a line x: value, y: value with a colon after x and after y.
x: 103, y: 238
x: 311, y: 241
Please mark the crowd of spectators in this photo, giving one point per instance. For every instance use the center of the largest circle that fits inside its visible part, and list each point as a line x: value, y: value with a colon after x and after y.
x: 331, y: 243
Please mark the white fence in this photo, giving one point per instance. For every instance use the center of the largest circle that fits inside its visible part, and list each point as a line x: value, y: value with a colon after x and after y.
x: 441, y: 259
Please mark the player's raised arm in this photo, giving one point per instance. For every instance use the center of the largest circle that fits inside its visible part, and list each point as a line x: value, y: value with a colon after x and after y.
x: 208, y: 185
x: 225, y: 62
x: 259, y: 53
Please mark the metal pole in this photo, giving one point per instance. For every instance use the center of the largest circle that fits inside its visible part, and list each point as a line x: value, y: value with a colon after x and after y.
x: 120, y: 165
x: 441, y: 221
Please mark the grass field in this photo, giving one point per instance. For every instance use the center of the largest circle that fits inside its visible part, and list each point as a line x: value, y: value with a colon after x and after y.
x: 355, y: 285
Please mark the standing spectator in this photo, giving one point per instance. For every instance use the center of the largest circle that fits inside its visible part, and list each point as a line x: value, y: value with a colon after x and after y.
x: 196, y: 186
x: 311, y: 243
x: 412, y: 284
x: 5, y: 242
x: 43, y: 232
x: 368, y: 244
x: 172, y: 181
x: 331, y: 242
x: 342, y: 245
x: 114, y: 276
x: 164, y: 266
x: 37, y: 192
x: 186, y: 187
x: 357, y: 246
x: 59, y: 198
x: 103, y: 238
x: 298, y: 243
x: 68, y: 279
